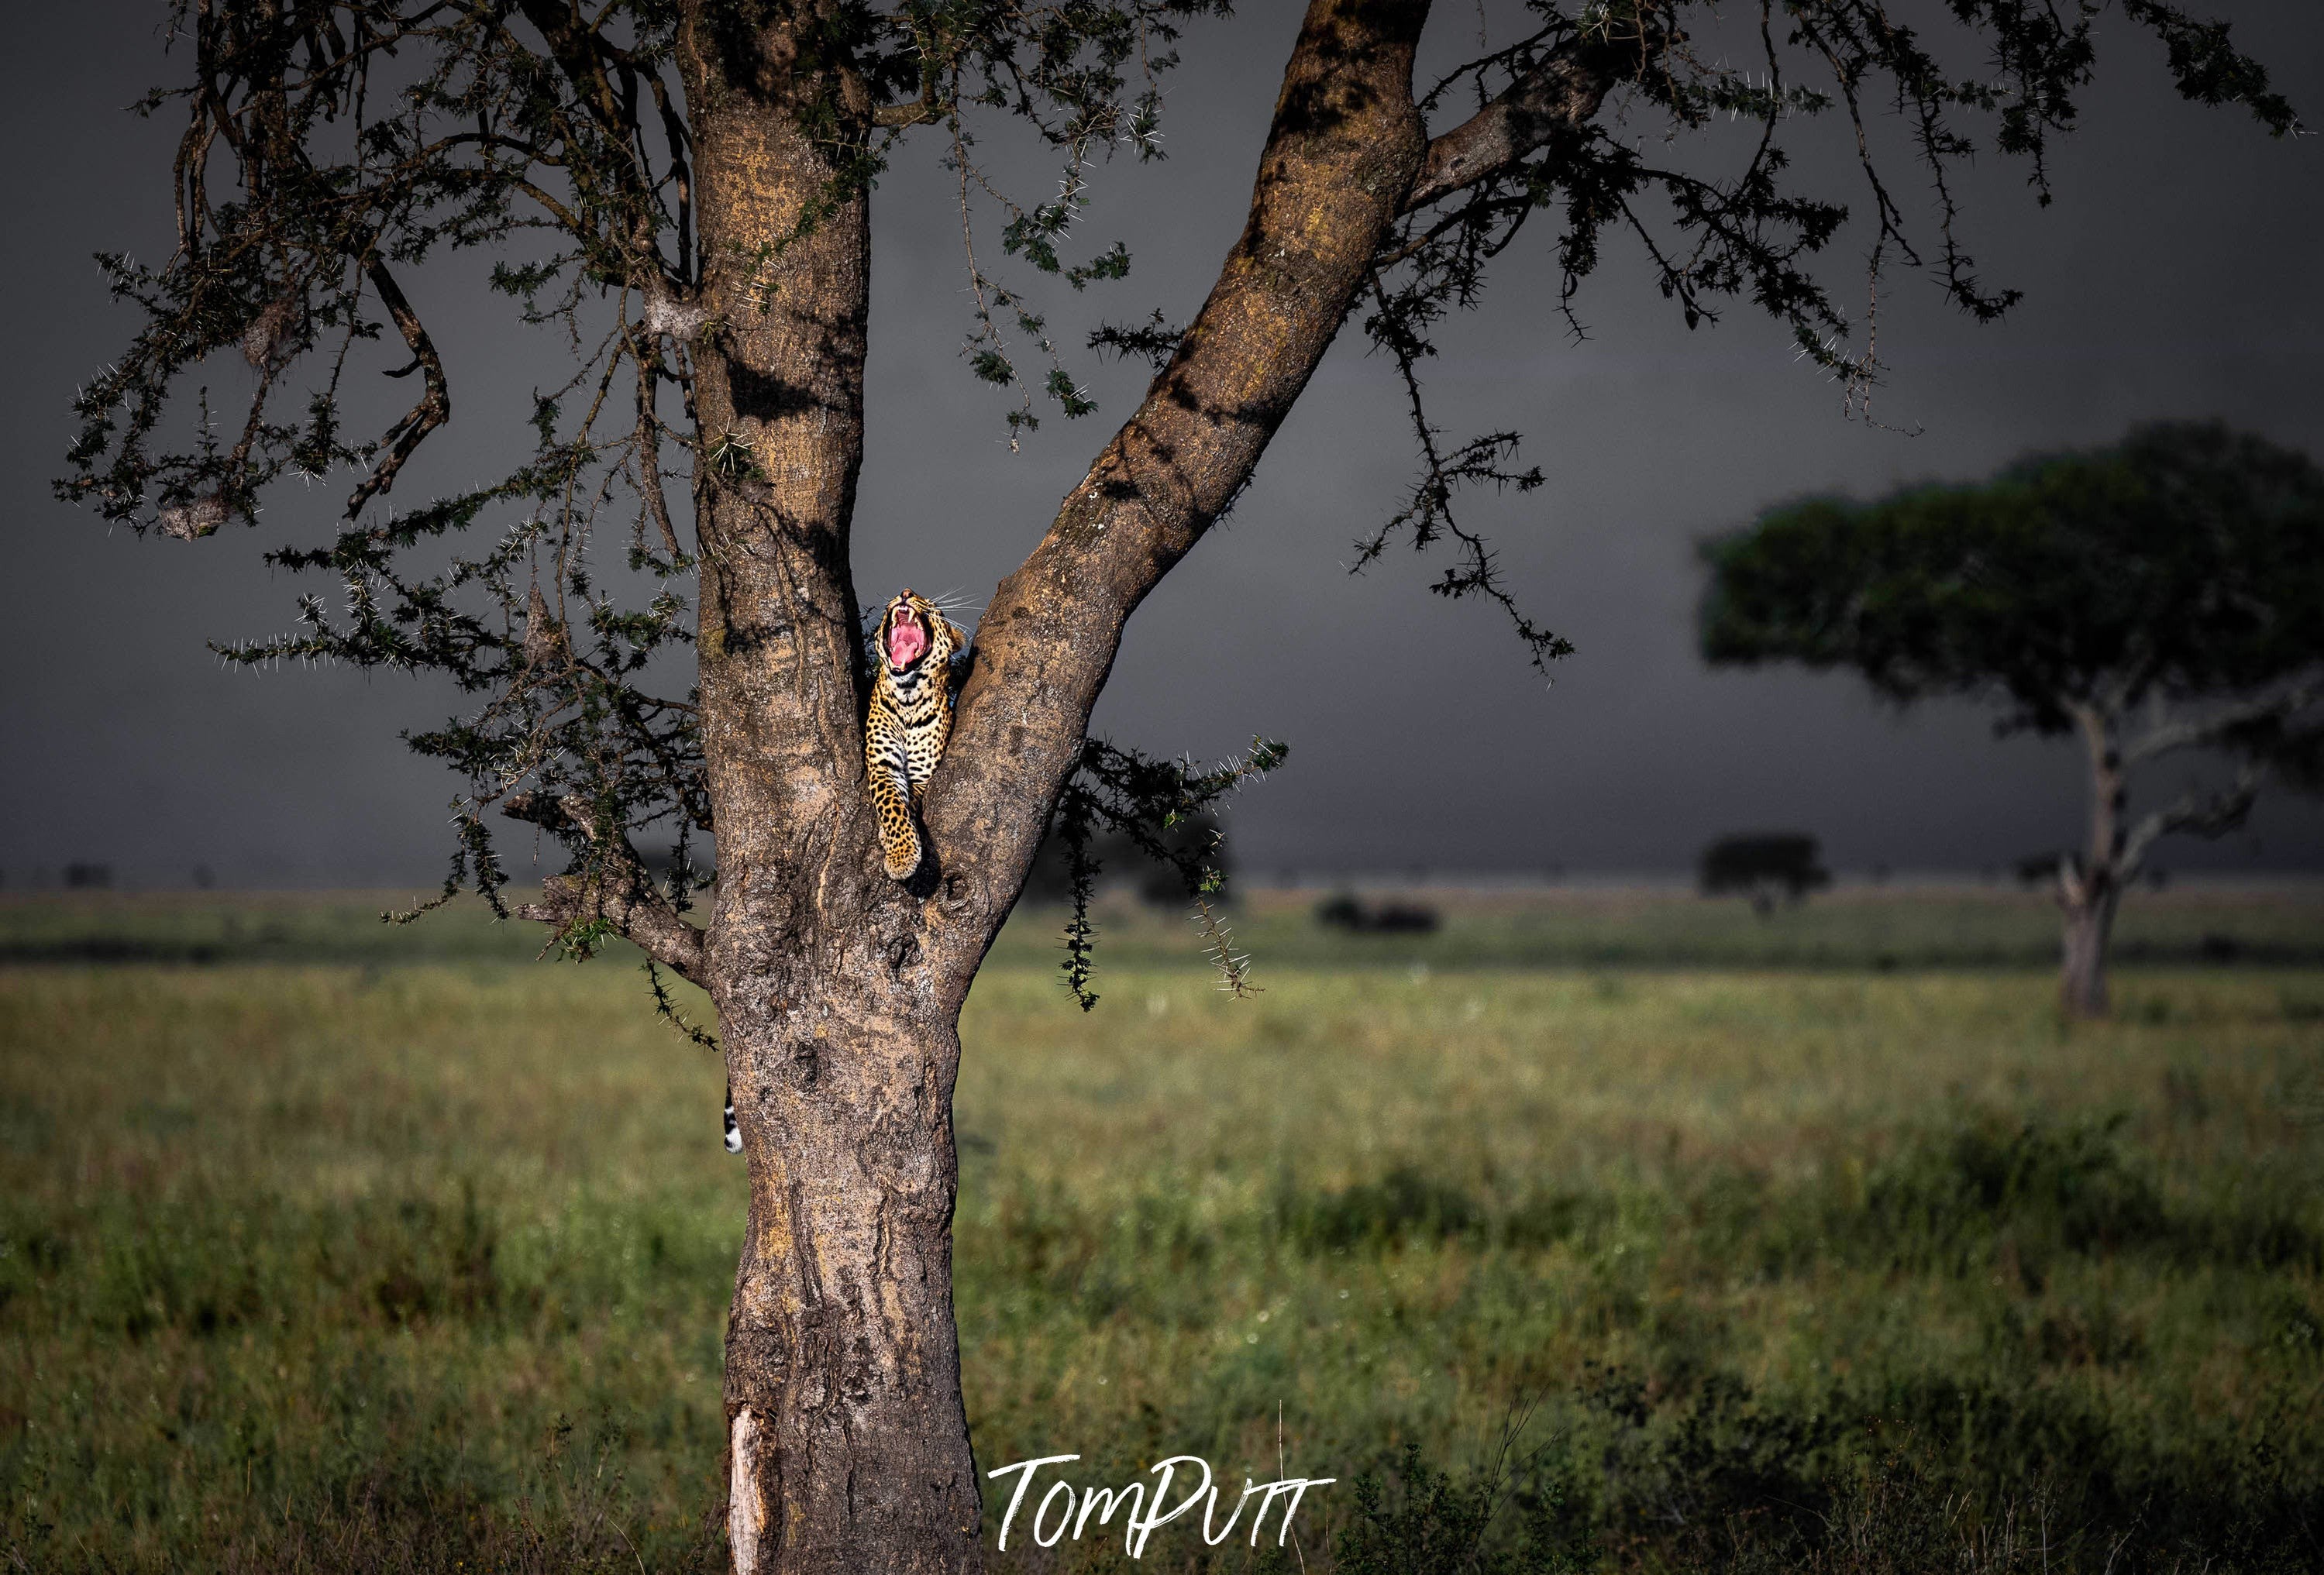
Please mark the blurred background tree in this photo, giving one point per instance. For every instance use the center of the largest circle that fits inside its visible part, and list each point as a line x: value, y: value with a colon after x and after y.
x: 1764, y: 867
x: 2162, y: 596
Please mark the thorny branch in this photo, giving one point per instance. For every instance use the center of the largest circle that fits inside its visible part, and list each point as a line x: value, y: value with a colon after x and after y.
x: 1143, y: 799
x: 1552, y: 130
x: 607, y: 891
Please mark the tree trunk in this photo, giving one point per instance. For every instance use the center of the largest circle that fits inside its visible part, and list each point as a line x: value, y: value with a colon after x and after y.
x: 2088, y: 891
x: 847, y: 1441
x: 847, y: 1445
x: 2082, y: 985
x: 838, y: 991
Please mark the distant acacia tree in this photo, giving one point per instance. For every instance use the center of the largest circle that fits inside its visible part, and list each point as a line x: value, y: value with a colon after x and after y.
x: 681, y: 190
x: 1764, y: 868
x: 2164, y: 596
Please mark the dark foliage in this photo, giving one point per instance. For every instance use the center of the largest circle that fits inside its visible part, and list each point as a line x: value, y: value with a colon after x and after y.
x: 2181, y: 564
x: 1344, y: 911
x: 1163, y: 811
x: 1156, y: 882
x: 2037, y: 870
x: 1413, y: 1520
x: 1762, y: 867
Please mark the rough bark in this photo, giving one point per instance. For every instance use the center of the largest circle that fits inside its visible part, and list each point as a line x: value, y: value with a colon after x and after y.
x: 847, y: 1442
x: 1539, y: 106
x: 1343, y: 152
x: 623, y: 894
x: 838, y: 991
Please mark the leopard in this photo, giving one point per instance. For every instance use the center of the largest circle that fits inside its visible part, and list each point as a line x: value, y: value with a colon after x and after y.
x: 909, y: 722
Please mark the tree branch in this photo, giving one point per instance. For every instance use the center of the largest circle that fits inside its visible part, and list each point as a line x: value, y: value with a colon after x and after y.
x: 435, y: 404
x: 926, y: 109
x: 618, y: 892
x: 1345, y: 148
x: 2195, y: 733
x: 2206, y: 813
x: 1558, y: 96
x: 2073, y: 888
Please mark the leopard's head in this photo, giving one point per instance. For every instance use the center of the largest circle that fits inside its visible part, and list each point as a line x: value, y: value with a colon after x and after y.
x: 912, y: 629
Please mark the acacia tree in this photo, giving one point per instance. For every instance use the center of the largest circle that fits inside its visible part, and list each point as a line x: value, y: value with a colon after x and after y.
x: 2161, y: 597
x: 683, y: 186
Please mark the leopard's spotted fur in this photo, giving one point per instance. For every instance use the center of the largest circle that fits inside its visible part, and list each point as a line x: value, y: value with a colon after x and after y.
x: 911, y: 721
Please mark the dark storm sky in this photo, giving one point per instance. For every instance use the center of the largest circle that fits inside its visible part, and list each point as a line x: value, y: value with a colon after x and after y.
x: 2175, y: 275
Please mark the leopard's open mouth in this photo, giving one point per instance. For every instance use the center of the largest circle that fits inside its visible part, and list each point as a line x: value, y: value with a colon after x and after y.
x: 908, y: 639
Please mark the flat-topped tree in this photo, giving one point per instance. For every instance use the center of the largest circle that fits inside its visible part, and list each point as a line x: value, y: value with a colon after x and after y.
x: 1763, y: 868
x: 692, y: 179
x: 2161, y: 597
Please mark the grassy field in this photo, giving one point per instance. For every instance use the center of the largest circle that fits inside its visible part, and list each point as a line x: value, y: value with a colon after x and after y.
x: 1963, y: 926
x: 1815, y: 1242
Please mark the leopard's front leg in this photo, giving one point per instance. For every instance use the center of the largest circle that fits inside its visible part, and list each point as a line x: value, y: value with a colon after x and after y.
x: 893, y: 799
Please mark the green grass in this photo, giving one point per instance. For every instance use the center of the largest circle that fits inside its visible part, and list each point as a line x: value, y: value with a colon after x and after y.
x: 419, y: 1260
x: 1945, y: 926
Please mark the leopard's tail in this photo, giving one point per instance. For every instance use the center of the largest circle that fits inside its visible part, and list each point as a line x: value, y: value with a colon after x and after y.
x: 899, y: 838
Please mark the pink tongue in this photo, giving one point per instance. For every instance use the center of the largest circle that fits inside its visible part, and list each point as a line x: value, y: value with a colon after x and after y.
x: 905, y: 642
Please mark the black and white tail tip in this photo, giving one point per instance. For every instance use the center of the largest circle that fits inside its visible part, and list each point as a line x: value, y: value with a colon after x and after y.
x: 734, y: 1133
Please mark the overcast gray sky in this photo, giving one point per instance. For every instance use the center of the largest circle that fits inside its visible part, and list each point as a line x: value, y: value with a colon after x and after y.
x: 2175, y: 275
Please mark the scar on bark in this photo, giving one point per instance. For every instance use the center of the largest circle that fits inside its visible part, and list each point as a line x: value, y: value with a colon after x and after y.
x: 746, y: 1511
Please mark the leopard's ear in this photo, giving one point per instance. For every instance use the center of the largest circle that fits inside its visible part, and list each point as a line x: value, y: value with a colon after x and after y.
x: 959, y: 635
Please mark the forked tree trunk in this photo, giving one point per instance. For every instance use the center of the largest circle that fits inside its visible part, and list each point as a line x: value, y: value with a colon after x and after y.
x: 847, y: 1447
x: 838, y: 991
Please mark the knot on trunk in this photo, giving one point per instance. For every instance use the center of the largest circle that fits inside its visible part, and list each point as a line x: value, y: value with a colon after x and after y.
x: 666, y: 316
x: 194, y: 518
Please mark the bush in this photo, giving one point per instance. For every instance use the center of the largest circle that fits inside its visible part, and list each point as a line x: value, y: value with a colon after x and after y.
x: 1763, y: 867
x: 1344, y: 912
